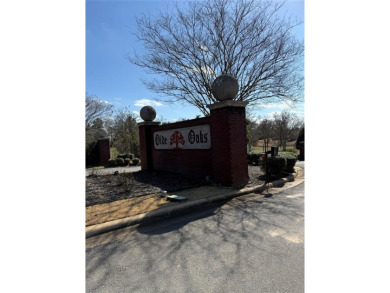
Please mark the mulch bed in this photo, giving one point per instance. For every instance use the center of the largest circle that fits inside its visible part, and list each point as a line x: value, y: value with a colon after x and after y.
x: 108, y: 188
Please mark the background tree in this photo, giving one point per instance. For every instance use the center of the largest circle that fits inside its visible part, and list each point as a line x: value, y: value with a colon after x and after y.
x: 286, y: 127
x: 189, y: 47
x: 121, y: 125
x: 251, y: 127
x: 250, y: 135
x: 123, y: 132
x: 95, y: 111
x: 97, y: 123
x: 91, y: 131
x: 265, y: 131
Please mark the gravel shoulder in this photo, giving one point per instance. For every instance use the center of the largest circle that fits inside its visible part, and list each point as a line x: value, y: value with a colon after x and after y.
x: 110, y: 187
x: 111, y: 197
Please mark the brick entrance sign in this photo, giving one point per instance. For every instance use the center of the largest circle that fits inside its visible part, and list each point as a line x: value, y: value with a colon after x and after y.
x: 212, y: 146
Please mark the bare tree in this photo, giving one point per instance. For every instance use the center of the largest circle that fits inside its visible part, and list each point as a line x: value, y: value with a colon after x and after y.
x: 265, y: 131
x: 251, y: 127
x: 189, y: 47
x: 286, y: 126
x: 123, y: 132
x: 95, y: 109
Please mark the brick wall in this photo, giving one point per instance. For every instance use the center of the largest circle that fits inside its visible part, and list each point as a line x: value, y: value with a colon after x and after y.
x: 225, y: 161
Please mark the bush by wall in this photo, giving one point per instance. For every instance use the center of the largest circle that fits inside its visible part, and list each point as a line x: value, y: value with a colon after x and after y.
x: 284, y: 162
x: 119, y: 161
x: 91, y: 153
x: 126, y: 156
x: 292, y: 149
x: 253, y: 159
x: 291, y: 159
x: 273, y: 166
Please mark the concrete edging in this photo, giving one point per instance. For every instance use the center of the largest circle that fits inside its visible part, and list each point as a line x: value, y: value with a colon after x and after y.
x: 167, y: 211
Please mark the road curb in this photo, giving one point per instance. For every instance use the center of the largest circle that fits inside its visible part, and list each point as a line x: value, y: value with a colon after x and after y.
x: 168, y: 211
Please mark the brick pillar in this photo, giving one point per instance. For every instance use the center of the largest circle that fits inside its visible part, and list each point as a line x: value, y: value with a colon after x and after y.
x: 228, y: 136
x: 104, y: 150
x: 146, y: 144
x: 301, y: 150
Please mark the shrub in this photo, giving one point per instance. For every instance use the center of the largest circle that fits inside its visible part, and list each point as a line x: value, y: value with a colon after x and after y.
x: 126, y: 156
x: 291, y: 149
x: 119, y: 161
x: 253, y: 159
x: 127, y: 161
x: 91, y: 153
x: 112, y: 162
x: 291, y: 159
x: 274, y: 165
x: 126, y: 181
x: 283, y: 162
x: 136, y: 161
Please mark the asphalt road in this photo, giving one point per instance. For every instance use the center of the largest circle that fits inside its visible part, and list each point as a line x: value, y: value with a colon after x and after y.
x: 240, y: 246
x: 300, y: 164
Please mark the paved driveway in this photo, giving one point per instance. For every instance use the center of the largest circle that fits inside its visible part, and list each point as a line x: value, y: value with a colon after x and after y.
x: 241, y: 246
x: 300, y: 164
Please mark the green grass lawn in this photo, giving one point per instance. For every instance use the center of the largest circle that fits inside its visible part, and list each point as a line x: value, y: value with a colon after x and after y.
x: 289, y: 149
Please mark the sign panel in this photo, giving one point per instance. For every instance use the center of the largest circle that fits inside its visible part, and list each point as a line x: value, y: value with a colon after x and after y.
x: 196, y: 137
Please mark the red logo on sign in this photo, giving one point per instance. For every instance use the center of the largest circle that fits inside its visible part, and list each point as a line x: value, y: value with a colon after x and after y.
x: 177, y: 138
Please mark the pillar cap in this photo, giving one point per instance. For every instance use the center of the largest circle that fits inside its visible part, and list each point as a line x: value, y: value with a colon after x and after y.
x: 148, y: 113
x: 225, y: 87
x: 102, y: 133
x: 227, y: 103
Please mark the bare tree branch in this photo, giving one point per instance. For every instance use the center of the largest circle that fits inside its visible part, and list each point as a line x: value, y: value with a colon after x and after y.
x: 95, y: 109
x: 189, y: 47
x: 286, y: 125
